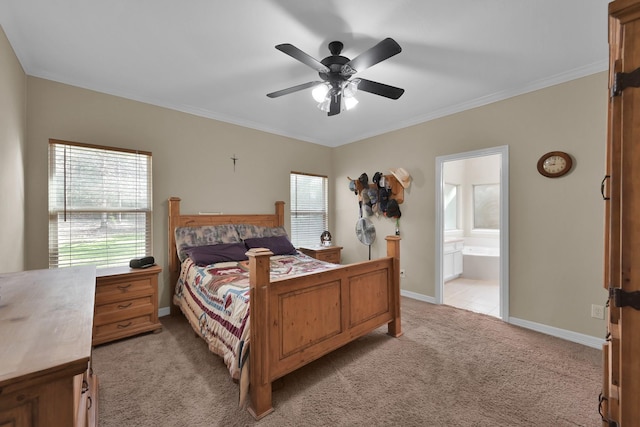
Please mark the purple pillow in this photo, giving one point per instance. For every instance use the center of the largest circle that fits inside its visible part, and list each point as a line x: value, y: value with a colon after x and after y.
x: 223, y: 252
x: 279, y: 245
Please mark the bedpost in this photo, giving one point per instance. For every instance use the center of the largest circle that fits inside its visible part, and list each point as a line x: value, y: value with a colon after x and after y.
x: 393, y: 250
x: 174, y: 265
x: 280, y: 213
x: 260, y: 382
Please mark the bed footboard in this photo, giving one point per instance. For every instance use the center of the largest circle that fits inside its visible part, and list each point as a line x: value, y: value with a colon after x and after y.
x: 296, y: 320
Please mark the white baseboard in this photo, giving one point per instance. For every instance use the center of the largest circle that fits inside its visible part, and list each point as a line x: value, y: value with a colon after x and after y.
x: 576, y: 337
x: 164, y: 311
x: 419, y: 297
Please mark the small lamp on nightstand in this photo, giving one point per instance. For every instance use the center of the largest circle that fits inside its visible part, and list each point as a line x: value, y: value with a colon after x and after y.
x: 325, y: 238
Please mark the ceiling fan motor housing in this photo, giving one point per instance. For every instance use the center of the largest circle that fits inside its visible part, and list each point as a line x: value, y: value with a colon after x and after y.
x: 335, y: 64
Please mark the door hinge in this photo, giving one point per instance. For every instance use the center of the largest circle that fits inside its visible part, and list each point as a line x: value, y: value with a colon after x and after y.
x: 621, y: 81
x: 622, y: 298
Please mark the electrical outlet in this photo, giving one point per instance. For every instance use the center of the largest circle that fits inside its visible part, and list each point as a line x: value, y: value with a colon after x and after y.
x: 597, y: 311
x: 402, y: 275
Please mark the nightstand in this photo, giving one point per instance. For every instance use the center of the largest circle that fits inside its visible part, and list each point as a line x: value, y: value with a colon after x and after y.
x: 323, y: 253
x: 126, y: 303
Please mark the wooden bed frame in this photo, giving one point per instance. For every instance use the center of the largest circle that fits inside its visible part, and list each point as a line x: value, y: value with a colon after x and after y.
x: 350, y: 301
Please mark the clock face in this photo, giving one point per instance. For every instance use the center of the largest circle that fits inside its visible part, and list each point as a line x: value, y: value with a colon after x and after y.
x: 554, y: 164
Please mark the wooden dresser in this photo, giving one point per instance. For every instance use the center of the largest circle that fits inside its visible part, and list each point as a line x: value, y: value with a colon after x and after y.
x: 126, y: 303
x: 323, y: 253
x: 46, y: 320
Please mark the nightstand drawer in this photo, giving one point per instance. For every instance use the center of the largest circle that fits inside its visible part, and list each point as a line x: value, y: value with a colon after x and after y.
x: 121, y: 310
x: 120, y: 291
x: 324, y: 253
x: 333, y: 257
x: 123, y: 328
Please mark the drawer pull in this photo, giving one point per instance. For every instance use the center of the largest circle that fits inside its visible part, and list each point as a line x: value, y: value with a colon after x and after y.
x: 124, y: 287
x: 85, y: 386
x: 124, y: 326
x: 89, y: 402
x: 125, y: 305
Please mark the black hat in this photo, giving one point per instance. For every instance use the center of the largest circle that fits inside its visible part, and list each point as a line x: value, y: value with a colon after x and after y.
x: 376, y: 178
x: 393, y: 210
x: 383, y: 199
x: 364, y: 180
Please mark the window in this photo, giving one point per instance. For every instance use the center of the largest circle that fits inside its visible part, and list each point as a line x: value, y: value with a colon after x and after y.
x: 99, y: 205
x: 309, y: 208
x: 450, y: 207
x: 486, y: 206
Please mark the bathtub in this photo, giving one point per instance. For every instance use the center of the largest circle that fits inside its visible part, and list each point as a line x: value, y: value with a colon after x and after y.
x: 481, y: 251
x: 481, y: 262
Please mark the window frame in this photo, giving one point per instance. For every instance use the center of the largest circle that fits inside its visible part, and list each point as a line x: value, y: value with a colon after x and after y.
x: 137, y: 213
x: 487, y: 209
x: 298, y: 237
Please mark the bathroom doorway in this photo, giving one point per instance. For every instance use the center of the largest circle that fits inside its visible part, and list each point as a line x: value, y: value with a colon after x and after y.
x: 472, y: 233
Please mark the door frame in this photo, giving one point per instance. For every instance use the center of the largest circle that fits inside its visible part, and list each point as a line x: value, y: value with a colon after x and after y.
x: 504, y: 222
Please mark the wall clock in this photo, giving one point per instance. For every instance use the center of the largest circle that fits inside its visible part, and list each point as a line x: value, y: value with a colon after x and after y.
x: 554, y: 164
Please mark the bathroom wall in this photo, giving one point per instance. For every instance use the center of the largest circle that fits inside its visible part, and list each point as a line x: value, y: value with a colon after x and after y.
x: 466, y: 173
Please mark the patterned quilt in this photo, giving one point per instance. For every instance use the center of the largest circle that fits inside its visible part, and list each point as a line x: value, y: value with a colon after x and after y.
x: 215, y: 300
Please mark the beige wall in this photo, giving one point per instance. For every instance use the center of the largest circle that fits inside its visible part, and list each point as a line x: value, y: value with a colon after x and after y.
x: 191, y: 159
x: 13, y: 87
x: 556, y: 225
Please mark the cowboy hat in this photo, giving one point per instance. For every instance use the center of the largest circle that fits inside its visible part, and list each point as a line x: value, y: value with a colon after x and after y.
x: 402, y: 176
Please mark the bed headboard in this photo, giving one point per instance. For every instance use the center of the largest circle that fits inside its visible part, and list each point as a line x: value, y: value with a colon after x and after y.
x: 196, y: 220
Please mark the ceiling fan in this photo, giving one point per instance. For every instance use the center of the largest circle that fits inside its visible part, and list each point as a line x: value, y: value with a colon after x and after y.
x: 336, y: 90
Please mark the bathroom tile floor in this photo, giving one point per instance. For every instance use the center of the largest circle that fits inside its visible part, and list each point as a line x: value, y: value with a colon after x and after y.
x: 480, y: 296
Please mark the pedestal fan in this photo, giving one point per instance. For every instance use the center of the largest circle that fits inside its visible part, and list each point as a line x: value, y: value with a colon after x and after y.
x: 365, y: 231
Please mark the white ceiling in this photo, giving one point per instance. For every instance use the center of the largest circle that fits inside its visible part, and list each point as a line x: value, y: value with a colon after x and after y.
x: 217, y: 59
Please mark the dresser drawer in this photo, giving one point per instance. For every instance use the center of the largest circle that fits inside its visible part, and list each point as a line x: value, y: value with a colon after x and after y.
x: 120, y: 291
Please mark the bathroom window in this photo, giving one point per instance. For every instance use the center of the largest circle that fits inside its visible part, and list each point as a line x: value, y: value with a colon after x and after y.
x: 451, y: 196
x: 486, y: 206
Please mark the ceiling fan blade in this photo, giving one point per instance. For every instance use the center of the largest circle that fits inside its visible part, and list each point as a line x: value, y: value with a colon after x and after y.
x: 336, y: 103
x: 292, y: 89
x: 306, y: 59
x: 383, y: 50
x: 380, y: 89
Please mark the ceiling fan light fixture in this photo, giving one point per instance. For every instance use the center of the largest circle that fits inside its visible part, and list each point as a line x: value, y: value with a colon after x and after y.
x: 351, y: 88
x: 349, y: 102
x: 320, y: 92
x: 325, y: 105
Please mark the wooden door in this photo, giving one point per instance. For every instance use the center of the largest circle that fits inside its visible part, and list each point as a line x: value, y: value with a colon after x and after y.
x: 620, y: 401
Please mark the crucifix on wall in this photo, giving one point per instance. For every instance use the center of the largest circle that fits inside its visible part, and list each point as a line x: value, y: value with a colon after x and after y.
x: 234, y: 158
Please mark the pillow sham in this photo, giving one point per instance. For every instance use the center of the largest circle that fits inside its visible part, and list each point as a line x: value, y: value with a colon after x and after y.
x: 211, y: 254
x: 187, y: 237
x: 279, y: 245
x: 249, y: 231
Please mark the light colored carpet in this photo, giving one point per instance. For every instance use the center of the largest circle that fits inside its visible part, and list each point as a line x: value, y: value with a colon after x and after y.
x: 450, y: 368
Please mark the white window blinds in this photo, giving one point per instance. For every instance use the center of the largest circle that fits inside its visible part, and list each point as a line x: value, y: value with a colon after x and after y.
x: 309, y: 208
x: 99, y: 205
